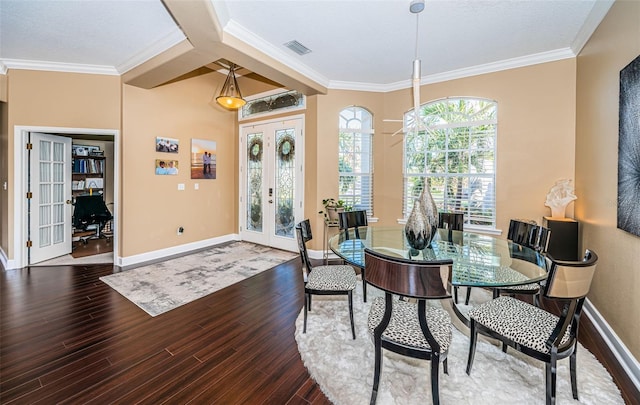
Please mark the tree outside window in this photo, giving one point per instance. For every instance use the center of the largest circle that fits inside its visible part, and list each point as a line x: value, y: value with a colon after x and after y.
x: 453, y: 151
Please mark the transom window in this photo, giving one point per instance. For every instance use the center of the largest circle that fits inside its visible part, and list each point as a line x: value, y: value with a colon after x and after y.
x: 453, y: 151
x: 354, y: 158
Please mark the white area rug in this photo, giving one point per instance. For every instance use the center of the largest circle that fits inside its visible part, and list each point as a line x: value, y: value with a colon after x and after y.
x: 343, y: 367
x: 161, y: 287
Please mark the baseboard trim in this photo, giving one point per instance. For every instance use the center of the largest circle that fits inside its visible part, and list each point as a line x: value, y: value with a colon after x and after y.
x: 617, y: 347
x: 174, y: 251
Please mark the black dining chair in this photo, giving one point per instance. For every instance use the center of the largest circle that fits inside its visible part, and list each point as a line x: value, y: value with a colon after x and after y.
x: 324, y: 280
x: 534, y: 331
x: 453, y: 221
x: 531, y: 235
x: 354, y: 220
x: 407, y: 326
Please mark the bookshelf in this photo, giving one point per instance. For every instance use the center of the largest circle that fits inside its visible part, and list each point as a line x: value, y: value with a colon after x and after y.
x: 88, y: 175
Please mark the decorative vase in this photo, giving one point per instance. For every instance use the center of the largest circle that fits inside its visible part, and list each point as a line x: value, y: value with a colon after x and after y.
x: 422, y: 223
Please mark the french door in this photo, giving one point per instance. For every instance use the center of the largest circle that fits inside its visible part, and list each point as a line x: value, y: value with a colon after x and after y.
x: 271, y: 188
x: 49, y: 207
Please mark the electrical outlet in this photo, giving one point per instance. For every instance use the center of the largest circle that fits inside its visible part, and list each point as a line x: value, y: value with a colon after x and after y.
x: 180, y: 230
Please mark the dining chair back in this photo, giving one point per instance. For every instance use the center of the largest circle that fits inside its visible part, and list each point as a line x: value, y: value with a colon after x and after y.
x: 354, y: 220
x: 323, y: 280
x: 453, y: 221
x: 406, y: 326
x: 534, y: 331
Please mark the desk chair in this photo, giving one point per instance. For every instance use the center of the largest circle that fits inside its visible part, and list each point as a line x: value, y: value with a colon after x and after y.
x: 323, y: 280
x: 90, y: 211
x: 354, y: 220
x: 405, y: 327
x: 534, y: 331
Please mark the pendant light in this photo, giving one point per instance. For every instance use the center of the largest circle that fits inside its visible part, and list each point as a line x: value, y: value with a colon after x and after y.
x: 416, y: 8
x: 230, y: 96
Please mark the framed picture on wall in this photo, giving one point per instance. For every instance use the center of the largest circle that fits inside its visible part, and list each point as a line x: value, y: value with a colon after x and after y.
x: 168, y: 145
x: 629, y: 149
x: 166, y: 167
x: 203, y: 159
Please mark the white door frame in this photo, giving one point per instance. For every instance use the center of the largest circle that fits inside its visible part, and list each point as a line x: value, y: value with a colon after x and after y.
x: 299, y: 177
x: 20, y: 137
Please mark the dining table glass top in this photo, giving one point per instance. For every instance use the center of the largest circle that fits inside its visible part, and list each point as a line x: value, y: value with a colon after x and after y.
x: 478, y: 260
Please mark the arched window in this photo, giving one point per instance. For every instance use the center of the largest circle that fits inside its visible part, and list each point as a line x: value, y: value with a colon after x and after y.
x: 453, y: 150
x: 355, y: 166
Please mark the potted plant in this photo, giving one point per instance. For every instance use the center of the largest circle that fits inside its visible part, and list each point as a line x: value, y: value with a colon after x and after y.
x: 331, y: 209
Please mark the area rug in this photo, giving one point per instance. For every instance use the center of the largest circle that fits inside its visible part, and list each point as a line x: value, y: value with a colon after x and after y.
x: 161, y: 287
x: 343, y: 367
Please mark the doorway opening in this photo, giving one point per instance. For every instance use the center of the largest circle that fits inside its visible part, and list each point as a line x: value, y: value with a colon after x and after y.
x: 22, y: 183
x: 271, y: 181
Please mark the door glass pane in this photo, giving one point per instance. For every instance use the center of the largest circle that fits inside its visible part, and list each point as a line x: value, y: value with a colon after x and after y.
x: 45, y: 172
x: 58, y: 172
x: 58, y: 152
x: 255, y: 180
x: 45, y: 193
x: 285, y: 182
x: 58, y: 233
x: 45, y: 236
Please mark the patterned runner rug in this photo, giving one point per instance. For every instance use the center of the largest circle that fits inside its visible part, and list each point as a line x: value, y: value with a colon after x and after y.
x: 343, y: 367
x: 161, y: 287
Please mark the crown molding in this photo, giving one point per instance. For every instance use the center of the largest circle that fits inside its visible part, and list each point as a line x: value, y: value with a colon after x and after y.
x: 529, y: 60
x: 59, y: 67
x: 596, y: 15
x: 167, y: 42
x: 253, y: 40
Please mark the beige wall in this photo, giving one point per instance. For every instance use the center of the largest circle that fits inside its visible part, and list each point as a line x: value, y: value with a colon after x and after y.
x: 53, y: 99
x: 536, y: 129
x: 152, y: 206
x: 614, y: 291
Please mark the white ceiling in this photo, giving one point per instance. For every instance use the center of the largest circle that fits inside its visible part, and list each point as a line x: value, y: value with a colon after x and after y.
x: 356, y: 44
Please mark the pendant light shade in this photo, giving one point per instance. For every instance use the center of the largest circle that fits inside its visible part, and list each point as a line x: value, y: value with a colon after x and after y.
x: 230, y: 96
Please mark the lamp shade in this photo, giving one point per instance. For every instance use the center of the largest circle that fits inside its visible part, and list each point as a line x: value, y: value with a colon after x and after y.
x: 230, y: 96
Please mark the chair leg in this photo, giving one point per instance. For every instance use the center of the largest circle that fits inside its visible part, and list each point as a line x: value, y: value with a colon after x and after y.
x: 455, y: 294
x: 364, y: 285
x: 550, y: 379
x: 353, y: 328
x: 444, y: 366
x: 309, y: 299
x: 504, y: 347
x: 377, y: 368
x: 435, y: 368
x: 306, y: 300
x: 473, y: 336
x: 468, y: 297
x: 574, y: 377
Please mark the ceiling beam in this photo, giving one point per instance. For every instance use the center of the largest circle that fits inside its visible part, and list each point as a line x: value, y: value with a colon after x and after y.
x: 207, y: 42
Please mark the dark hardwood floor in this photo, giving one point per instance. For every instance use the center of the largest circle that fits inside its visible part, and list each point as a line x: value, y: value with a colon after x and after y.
x: 66, y: 337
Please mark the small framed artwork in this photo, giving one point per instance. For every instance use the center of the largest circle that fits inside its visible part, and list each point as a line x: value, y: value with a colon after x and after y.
x: 168, y: 145
x: 166, y: 167
x: 203, y: 159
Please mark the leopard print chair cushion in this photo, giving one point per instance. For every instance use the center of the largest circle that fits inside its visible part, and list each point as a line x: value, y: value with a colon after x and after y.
x: 332, y: 278
x: 519, y: 321
x: 523, y: 287
x: 404, y: 328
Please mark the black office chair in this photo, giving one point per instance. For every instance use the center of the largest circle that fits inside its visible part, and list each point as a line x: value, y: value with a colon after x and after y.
x: 354, y: 220
x: 403, y: 326
x: 90, y: 210
x: 324, y: 280
x: 534, y: 331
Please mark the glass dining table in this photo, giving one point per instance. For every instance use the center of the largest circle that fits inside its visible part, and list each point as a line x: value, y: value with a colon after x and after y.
x: 478, y: 260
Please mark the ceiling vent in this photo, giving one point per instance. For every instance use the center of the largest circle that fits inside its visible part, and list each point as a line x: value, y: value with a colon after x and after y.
x: 297, y: 47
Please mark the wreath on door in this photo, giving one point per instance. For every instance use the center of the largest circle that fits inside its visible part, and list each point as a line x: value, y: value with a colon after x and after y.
x: 255, y: 150
x: 286, y: 148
